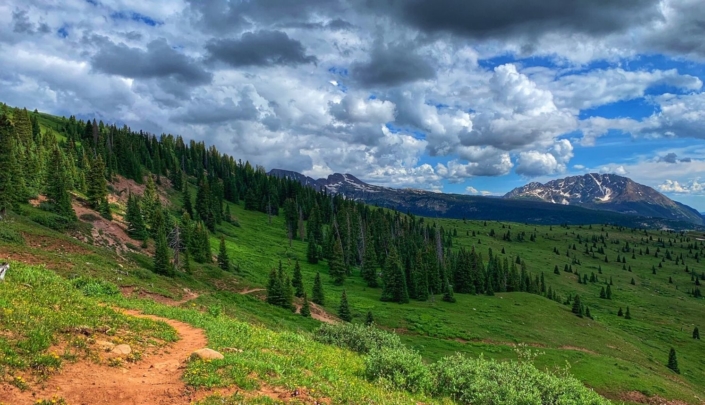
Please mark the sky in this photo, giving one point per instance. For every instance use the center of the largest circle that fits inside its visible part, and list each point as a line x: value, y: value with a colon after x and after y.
x: 456, y: 96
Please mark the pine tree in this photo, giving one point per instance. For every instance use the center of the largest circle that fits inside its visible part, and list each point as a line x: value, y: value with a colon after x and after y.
x: 288, y: 294
x: 186, y: 198
x: 587, y: 313
x: 393, y: 279
x: 136, y: 227
x: 696, y: 333
x: 223, y: 259
x: 274, y: 289
x: 162, y: 265
x: 673, y: 361
x: 7, y: 156
x: 578, y: 306
x: 369, y: 320
x: 343, y: 309
x: 633, y: 282
x: 448, y: 293
x: 336, y: 263
x: 57, y: 185
x: 305, y: 307
x: 620, y: 313
x: 555, y: 270
x: 98, y: 187
x: 312, y: 250
x: 627, y: 315
x: 318, y: 295
x: 298, y: 281
x: 603, y: 294
x: 369, y: 266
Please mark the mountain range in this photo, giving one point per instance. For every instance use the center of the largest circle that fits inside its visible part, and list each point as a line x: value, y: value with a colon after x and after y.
x: 591, y: 198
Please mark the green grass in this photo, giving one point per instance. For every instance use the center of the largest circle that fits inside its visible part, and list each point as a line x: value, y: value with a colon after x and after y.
x: 46, y: 320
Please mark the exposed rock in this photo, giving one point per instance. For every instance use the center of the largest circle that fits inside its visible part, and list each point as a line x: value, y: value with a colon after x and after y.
x: 206, y: 354
x: 122, y: 350
x: 105, y: 345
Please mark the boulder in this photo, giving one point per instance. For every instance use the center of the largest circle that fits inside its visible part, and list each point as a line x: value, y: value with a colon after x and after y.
x: 121, y: 350
x: 206, y: 354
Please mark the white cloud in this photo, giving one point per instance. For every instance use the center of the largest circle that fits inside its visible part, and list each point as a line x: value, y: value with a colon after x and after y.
x: 673, y: 186
x: 471, y: 190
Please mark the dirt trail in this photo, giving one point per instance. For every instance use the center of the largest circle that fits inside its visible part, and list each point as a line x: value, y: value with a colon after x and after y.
x: 252, y: 290
x: 188, y: 295
x: 155, y: 380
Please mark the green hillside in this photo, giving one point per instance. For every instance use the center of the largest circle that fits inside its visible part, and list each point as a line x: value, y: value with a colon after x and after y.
x: 622, y: 359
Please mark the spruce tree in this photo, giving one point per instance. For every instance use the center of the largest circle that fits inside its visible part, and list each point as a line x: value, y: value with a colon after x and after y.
x: 136, y: 227
x: 57, y: 185
x: 608, y: 292
x: 98, y: 187
x: 393, y: 279
x: 696, y: 333
x: 305, y: 307
x: 186, y: 198
x: 344, y: 309
x: 223, y: 259
x: 336, y: 263
x: 162, y: 265
x: 620, y: 313
x: 627, y: 315
x: 603, y: 294
x: 298, y: 281
x: 578, y: 306
x: 274, y: 289
x: 369, y: 266
x: 448, y: 292
x: 369, y: 320
x: 673, y: 361
x: 318, y: 295
x: 288, y: 294
x: 587, y: 313
x: 312, y: 250
x: 7, y: 156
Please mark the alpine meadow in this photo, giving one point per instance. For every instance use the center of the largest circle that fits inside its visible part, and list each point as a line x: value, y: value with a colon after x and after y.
x: 354, y: 202
x: 314, y: 298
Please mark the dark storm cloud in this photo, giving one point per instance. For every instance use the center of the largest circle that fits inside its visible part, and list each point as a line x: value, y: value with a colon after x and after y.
x: 21, y: 23
x: 333, y: 25
x: 159, y: 61
x: 684, y: 33
x: 499, y: 18
x: 261, y: 48
x: 392, y: 66
x: 234, y: 16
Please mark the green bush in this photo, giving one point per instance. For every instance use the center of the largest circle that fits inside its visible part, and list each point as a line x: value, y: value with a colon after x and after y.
x: 50, y: 220
x: 92, y: 287
x: 10, y: 235
x: 480, y: 381
x: 400, y: 368
x: 89, y: 217
x: 356, y: 337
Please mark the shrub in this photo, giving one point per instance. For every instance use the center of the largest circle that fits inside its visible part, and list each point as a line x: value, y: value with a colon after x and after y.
x: 357, y: 337
x: 10, y: 235
x: 400, y: 367
x: 52, y: 221
x: 480, y: 381
x: 89, y: 217
x: 92, y: 287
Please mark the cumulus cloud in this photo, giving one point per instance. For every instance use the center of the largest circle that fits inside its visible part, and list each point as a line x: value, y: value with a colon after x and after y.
x: 673, y: 186
x: 392, y: 65
x: 260, y: 48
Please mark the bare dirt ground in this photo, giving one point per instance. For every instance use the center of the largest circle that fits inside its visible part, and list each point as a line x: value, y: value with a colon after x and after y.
x: 156, y: 379
x: 187, y: 296
x: 638, y: 397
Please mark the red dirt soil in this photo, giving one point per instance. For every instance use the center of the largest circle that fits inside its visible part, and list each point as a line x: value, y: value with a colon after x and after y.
x: 155, y: 380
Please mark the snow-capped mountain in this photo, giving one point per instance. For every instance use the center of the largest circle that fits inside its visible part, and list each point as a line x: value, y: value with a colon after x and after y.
x: 607, y: 192
x: 571, y: 200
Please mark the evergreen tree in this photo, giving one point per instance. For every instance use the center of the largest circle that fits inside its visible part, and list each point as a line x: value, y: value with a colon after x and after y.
x: 318, y: 295
x: 336, y: 263
x: 288, y: 294
x: 223, y: 259
x: 627, y: 315
x: 343, y: 309
x: 448, y: 292
x: 98, y: 187
x: 603, y: 294
x: 673, y: 361
x: 578, y: 306
x: 312, y: 250
x: 186, y: 199
x: 393, y: 279
x: 555, y: 270
x: 57, y: 185
x: 7, y: 156
x: 305, y: 307
x: 369, y: 266
x: 620, y: 313
x: 136, y: 227
x: 274, y: 289
x: 696, y: 333
x: 587, y: 313
x: 369, y: 320
x: 162, y: 265
x: 298, y: 281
